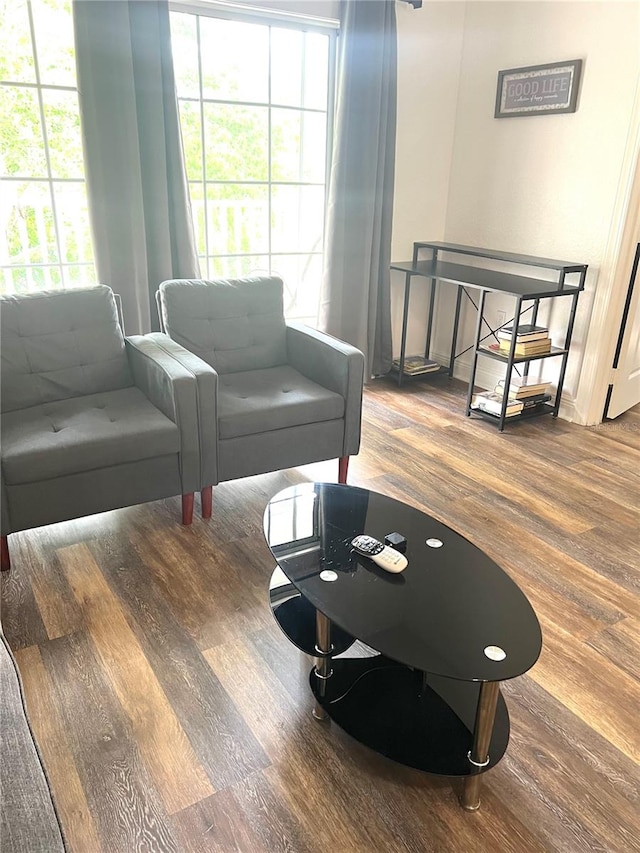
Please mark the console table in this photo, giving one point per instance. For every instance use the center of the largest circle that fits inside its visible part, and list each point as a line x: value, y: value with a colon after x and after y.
x: 440, y: 636
x: 568, y: 281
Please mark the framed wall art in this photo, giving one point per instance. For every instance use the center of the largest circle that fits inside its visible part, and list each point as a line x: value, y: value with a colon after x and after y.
x: 538, y: 89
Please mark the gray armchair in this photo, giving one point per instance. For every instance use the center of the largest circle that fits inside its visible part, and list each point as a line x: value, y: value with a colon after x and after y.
x: 272, y: 394
x: 91, y: 421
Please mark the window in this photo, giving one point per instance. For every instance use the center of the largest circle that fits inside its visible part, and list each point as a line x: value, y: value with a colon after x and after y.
x: 255, y: 111
x: 45, y: 241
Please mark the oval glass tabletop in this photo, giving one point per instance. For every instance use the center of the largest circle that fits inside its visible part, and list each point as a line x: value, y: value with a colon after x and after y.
x: 452, y: 612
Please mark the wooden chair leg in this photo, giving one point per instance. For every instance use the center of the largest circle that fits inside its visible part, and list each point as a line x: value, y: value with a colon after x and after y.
x: 187, y: 508
x: 206, y: 496
x: 343, y: 465
x: 4, y: 554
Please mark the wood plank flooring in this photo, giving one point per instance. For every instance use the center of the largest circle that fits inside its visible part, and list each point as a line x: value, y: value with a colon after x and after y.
x: 173, y: 715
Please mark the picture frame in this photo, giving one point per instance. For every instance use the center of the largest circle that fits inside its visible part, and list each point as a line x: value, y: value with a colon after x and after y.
x: 538, y: 89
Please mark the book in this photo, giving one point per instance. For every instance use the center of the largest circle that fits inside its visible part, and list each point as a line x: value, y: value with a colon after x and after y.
x: 506, y: 335
x: 416, y: 364
x: 524, y: 331
x: 534, y: 402
x: 524, y: 382
x: 522, y: 392
x: 491, y: 402
x: 524, y: 398
x: 531, y: 348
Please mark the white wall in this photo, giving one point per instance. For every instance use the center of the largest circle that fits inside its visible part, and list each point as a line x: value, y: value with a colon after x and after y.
x: 543, y: 185
x: 429, y: 54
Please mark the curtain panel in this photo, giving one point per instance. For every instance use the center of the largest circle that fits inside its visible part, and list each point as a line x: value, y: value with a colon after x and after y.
x: 136, y: 181
x: 356, y: 301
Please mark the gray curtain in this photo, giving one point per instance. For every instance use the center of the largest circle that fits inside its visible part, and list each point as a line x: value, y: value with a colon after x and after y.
x: 138, y: 194
x: 355, y: 304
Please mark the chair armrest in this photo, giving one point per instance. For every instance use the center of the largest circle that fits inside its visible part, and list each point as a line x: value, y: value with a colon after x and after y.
x: 206, y: 379
x: 335, y: 365
x: 171, y: 388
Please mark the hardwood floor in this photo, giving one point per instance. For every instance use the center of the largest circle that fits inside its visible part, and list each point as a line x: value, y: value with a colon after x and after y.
x: 173, y: 715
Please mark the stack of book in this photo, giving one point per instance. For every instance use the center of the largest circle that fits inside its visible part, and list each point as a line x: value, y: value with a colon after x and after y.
x: 414, y: 365
x: 523, y: 394
x: 529, y: 391
x: 491, y: 402
x: 530, y: 340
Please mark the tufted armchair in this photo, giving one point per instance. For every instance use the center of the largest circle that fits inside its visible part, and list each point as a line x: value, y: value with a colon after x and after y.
x: 91, y: 421
x: 272, y: 394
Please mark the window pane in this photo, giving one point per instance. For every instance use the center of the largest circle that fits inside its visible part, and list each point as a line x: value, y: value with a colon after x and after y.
x: 286, y: 67
x: 235, y: 60
x: 247, y: 265
x: 44, y: 278
x: 15, y: 280
x: 316, y: 71
x: 297, y: 219
x: 196, y: 192
x: 73, y: 222
x: 16, y: 56
x: 298, y: 147
x: 184, y: 47
x: 191, y: 138
x: 21, y: 140
x: 79, y: 276
x: 238, y: 219
x: 236, y: 143
x: 53, y: 24
x: 299, y: 69
x: 62, y: 117
x: 302, y: 275
x: 29, y: 279
x: 29, y: 237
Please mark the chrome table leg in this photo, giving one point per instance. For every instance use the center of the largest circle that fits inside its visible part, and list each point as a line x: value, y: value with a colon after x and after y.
x: 479, y: 753
x: 322, y: 667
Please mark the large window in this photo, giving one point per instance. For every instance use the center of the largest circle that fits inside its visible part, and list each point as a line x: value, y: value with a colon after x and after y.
x: 44, y: 226
x: 255, y: 107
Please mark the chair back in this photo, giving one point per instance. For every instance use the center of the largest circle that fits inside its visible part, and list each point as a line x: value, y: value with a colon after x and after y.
x: 60, y: 344
x: 232, y: 324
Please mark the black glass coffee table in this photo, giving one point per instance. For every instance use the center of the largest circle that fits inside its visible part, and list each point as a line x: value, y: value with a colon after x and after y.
x: 438, y: 638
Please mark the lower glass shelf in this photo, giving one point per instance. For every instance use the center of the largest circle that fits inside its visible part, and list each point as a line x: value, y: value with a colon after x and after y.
x: 297, y: 617
x: 425, y: 722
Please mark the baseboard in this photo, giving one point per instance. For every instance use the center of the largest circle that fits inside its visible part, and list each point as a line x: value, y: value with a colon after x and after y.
x: 568, y: 410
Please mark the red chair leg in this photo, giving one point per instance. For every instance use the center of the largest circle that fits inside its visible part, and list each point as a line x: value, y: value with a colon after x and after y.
x: 343, y: 465
x: 206, y: 496
x: 187, y: 508
x: 6, y: 559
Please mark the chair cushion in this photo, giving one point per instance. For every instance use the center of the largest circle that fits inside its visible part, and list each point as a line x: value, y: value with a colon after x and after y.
x: 83, y: 433
x: 60, y: 344
x: 278, y: 397
x: 233, y: 325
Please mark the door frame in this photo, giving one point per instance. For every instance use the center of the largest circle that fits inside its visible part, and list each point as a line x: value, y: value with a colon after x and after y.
x: 608, y: 305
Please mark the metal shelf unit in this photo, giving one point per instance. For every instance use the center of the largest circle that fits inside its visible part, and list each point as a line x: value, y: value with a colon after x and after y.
x: 527, y: 291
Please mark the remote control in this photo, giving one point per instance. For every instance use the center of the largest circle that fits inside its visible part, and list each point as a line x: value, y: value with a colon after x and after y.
x: 382, y: 555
